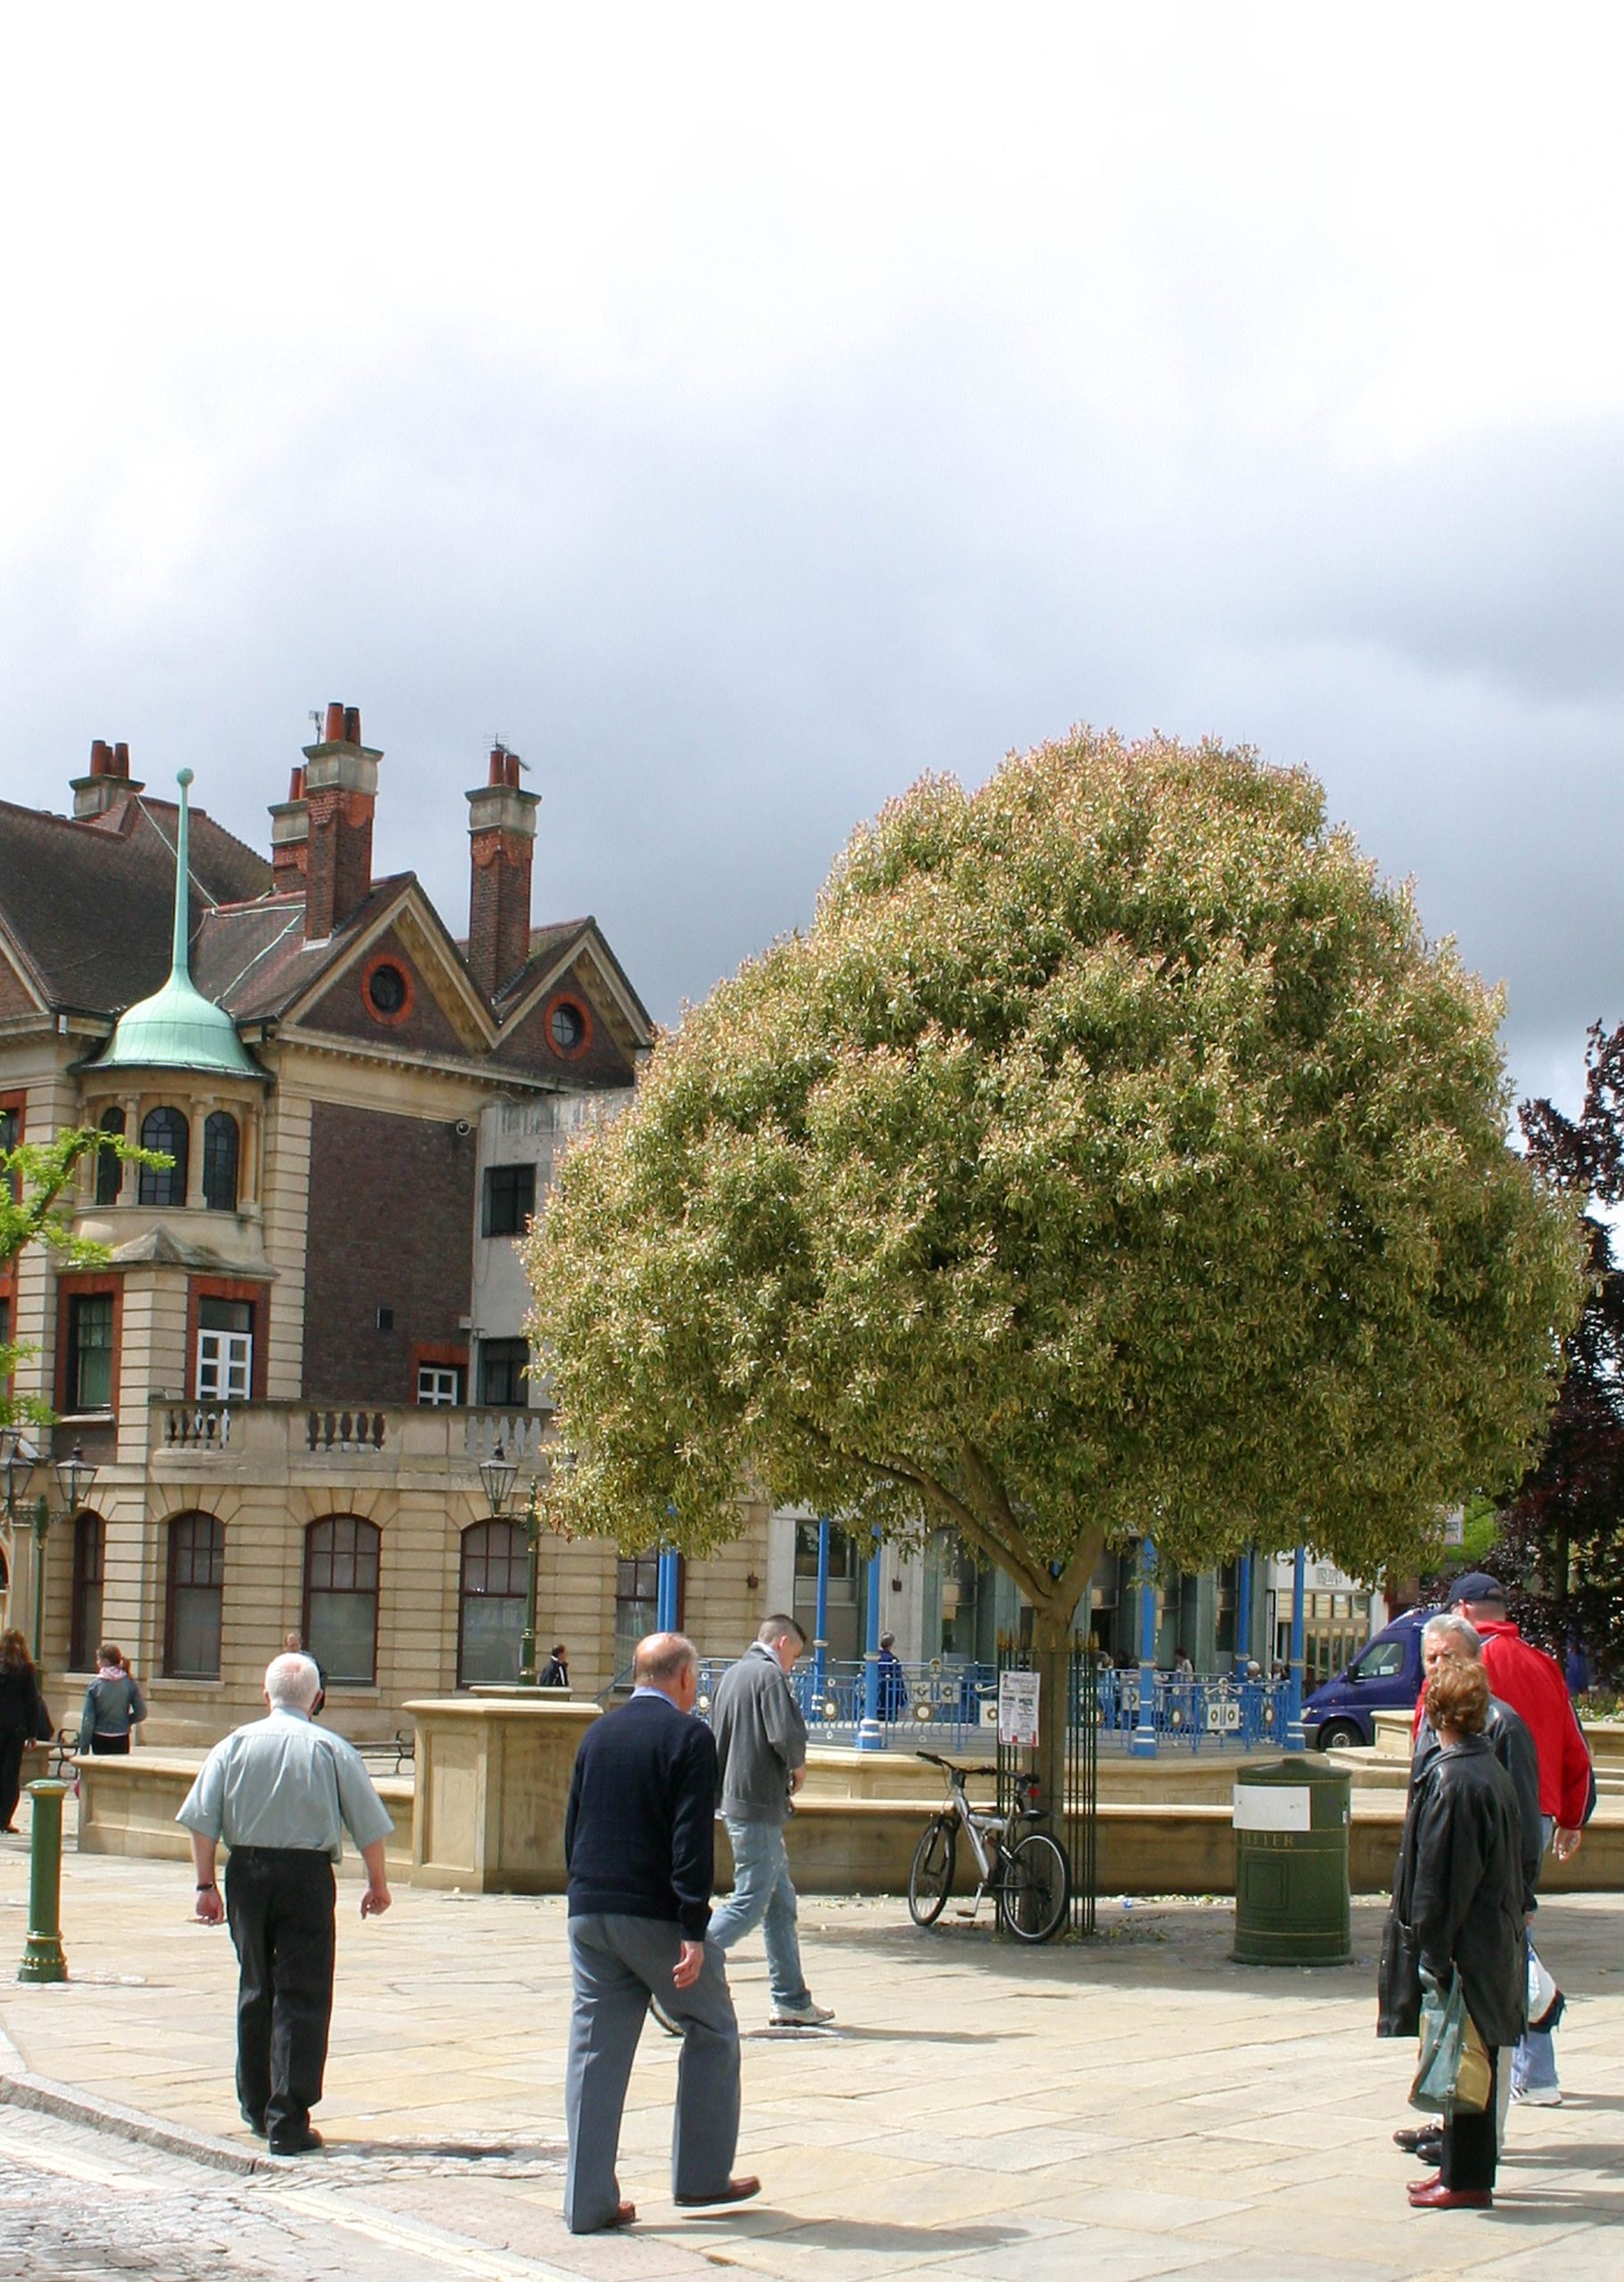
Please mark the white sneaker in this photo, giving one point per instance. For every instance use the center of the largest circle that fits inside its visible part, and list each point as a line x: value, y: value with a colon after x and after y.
x: 800, y: 2016
x: 1537, y: 2096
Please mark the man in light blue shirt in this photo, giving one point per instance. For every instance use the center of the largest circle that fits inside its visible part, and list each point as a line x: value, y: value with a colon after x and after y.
x: 281, y: 1793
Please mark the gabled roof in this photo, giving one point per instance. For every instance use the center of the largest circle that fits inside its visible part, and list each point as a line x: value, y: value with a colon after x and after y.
x: 88, y: 908
x: 555, y: 948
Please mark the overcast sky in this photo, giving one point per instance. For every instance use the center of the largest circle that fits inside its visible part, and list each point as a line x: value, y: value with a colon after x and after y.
x: 741, y: 410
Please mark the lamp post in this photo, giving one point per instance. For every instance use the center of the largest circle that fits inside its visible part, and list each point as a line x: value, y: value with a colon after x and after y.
x: 76, y: 1478
x: 18, y: 1460
x: 497, y: 1474
x: 1144, y: 1745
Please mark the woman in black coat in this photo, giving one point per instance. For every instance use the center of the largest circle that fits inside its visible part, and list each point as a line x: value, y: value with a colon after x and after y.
x: 1457, y: 1907
x: 23, y: 1719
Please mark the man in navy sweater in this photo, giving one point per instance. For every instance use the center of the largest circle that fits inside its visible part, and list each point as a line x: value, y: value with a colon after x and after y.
x: 638, y: 1840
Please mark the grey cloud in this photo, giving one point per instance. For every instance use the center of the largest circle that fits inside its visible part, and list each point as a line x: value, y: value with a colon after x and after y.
x: 721, y: 631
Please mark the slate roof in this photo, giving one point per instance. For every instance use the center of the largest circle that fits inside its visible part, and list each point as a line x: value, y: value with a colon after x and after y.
x: 89, y: 906
x: 252, y: 957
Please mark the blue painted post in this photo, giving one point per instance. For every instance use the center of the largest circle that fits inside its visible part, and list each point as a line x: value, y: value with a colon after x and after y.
x: 1243, y: 1612
x: 820, y: 1643
x: 871, y: 1734
x: 1294, y: 1739
x: 664, y: 1591
x: 1145, y: 1731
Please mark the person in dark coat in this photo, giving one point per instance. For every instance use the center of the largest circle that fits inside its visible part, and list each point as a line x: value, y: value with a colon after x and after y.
x: 23, y: 1720
x: 1508, y: 1737
x: 1457, y: 1907
x: 555, y: 1671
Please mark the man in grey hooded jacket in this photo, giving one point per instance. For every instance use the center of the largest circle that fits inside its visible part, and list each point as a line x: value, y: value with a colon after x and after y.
x: 761, y: 1745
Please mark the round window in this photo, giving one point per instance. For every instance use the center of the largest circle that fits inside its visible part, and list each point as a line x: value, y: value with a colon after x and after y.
x: 566, y: 1026
x: 387, y: 990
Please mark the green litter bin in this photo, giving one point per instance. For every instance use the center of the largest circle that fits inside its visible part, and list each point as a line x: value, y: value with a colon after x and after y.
x: 1290, y: 1864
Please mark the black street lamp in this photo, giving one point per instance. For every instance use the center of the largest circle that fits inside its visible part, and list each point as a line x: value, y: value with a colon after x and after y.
x: 498, y: 1474
x: 18, y: 1460
x: 75, y: 1480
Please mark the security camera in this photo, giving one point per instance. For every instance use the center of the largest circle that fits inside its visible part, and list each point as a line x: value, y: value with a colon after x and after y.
x: 463, y: 1127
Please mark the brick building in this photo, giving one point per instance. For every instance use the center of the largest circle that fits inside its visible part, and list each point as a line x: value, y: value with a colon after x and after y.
x: 308, y: 1332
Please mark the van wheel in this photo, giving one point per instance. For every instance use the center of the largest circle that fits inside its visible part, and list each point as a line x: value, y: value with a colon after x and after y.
x: 1336, y: 1735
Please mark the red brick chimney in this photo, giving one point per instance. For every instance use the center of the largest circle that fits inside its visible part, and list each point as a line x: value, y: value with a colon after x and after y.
x: 502, y: 841
x: 340, y: 791
x: 108, y: 783
x: 290, y: 837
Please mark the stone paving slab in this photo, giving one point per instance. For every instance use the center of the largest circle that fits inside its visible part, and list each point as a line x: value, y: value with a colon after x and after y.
x: 1131, y: 2108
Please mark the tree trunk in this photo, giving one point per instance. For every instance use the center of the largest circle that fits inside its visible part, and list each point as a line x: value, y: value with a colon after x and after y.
x: 1052, y: 1661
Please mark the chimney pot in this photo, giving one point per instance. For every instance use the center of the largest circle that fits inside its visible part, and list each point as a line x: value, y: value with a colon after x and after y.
x: 499, y: 766
x: 295, y: 782
x: 99, y: 757
x: 352, y: 725
x: 121, y: 761
x: 513, y: 771
x: 335, y: 724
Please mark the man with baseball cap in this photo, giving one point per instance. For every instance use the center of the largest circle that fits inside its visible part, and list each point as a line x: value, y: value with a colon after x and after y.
x: 1531, y: 1683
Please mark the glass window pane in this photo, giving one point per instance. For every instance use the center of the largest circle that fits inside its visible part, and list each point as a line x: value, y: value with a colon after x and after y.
x: 194, y: 1645
x: 342, y: 1636
x: 493, y: 1626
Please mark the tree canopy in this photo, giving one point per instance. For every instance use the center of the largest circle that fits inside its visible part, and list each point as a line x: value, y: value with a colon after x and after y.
x: 1560, y: 1549
x: 1113, y: 1153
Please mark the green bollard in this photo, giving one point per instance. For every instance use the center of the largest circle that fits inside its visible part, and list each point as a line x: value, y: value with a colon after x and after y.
x: 42, y: 1957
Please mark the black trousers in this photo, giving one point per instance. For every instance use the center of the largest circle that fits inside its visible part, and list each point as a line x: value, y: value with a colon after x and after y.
x: 279, y: 1904
x: 1469, y: 2140
x: 12, y: 1742
x: 109, y: 1746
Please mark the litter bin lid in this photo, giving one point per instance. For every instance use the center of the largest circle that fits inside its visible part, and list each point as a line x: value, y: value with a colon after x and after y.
x: 1298, y: 1770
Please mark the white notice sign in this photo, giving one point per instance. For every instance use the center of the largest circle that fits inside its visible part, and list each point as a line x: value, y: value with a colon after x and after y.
x: 1271, y: 1806
x: 1018, y: 1708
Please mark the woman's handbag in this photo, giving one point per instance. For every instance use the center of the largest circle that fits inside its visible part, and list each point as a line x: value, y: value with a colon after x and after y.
x: 1399, y: 1980
x: 1454, y: 2077
x: 1545, y: 2002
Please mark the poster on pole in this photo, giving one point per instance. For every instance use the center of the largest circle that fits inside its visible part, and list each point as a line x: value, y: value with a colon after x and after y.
x: 1018, y: 1709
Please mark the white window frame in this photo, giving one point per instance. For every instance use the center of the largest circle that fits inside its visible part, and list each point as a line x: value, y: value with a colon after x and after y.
x: 437, y: 1387
x: 225, y: 1366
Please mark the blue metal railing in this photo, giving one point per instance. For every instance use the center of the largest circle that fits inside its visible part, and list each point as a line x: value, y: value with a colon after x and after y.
x: 943, y: 1703
x: 954, y: 1707
x: 1210, y: 1712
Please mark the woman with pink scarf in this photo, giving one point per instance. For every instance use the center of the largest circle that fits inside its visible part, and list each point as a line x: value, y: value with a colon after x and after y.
x: 112, y: 1706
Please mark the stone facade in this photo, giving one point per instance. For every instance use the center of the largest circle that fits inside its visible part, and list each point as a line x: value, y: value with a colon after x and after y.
x: 279, y: 1371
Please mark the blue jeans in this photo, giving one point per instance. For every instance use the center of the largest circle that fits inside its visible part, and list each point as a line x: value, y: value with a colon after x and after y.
x: 762, y: 1895
x: 1533, y: 2064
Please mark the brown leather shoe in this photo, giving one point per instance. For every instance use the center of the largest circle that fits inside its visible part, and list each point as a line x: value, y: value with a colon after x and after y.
x: 737, y: 2190
x: 1432, y: 2195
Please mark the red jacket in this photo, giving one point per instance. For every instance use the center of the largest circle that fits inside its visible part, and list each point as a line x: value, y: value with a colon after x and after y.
x: 1531, y: 1683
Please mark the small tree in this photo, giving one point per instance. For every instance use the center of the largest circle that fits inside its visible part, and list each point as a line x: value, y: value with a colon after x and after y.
x: 1113, y: 1155
x: 34, y: 1178
x: 1560, y: 1543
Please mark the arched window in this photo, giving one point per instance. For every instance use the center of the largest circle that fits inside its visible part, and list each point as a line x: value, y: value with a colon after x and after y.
x: 165, y: 1129
x: 220, y: 1161
x: 110, y: 1169
x: 341, y: 1599
x: 490, y: 1603
x: 196, y: 1591
x: 89, y: 1564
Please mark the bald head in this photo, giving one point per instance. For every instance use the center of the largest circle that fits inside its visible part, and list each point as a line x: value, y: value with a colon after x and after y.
x: 292, y: 1683
x: 669, y: 1662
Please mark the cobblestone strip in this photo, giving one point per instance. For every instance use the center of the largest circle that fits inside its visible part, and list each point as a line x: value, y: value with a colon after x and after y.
x: 76, y: 2206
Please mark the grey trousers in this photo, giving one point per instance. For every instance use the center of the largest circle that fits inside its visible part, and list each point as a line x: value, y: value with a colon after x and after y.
x: 618, y: 1963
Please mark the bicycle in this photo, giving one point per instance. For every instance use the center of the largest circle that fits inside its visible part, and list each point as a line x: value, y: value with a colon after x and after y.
x: 1028, y: 1879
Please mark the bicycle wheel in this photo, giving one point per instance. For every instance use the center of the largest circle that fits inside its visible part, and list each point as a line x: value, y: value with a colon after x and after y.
x: 1034, y: 1890
x: 930, y: 1878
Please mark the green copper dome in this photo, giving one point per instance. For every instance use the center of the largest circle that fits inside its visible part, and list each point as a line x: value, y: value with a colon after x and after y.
x: 178, y: 1028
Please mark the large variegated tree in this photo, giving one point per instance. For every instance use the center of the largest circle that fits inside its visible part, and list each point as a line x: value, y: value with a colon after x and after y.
x: 1113, y: 1153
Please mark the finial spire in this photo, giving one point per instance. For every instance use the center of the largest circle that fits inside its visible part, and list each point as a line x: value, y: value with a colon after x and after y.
x: 180, y: 968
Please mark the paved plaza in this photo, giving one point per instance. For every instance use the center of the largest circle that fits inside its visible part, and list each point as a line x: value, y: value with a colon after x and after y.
x: 1130, y: 2107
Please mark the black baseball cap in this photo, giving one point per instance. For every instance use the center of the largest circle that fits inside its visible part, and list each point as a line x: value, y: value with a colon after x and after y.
x: 1475, y: 1587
